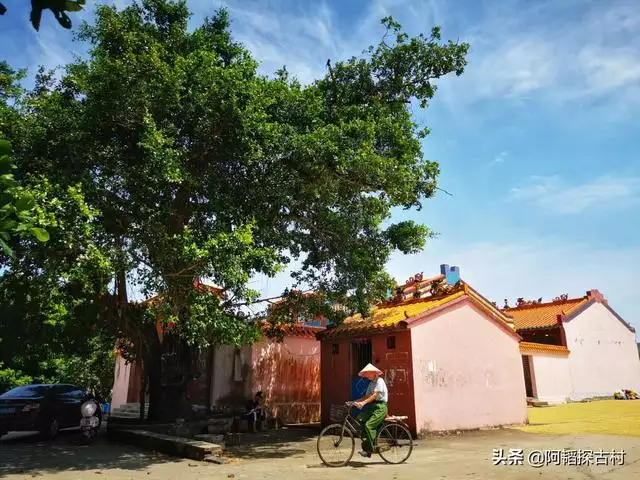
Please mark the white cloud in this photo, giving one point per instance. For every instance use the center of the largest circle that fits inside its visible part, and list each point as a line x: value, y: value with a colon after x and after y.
x: 555, y: 52
x: 546, y: 268
x: 304, y: 35
x: 604, y: 192
x: 500, y: 158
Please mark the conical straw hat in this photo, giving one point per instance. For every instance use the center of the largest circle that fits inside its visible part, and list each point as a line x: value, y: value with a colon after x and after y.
x: 370, y: 368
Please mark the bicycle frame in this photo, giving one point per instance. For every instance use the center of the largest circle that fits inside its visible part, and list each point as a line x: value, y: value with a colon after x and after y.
x: 353, y: 425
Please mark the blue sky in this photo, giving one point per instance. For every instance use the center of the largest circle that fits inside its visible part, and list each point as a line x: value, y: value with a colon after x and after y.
x: 538, y: 141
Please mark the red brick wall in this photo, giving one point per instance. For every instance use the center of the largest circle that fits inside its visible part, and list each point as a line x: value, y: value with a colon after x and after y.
x: 394, y: 362
x: 335, y: 375
x: 398, y: 373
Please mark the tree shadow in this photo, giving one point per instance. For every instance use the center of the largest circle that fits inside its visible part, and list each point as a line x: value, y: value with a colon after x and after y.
x: 31, y: 456
x: 280, y: 443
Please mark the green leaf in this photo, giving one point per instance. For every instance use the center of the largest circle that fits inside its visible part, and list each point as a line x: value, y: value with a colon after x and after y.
x: 25, y: 202
x: 63, y: 19
x: 41, y: 234
x: 35, y: 16
x: 6, y: 248
x: 73, y: 6
x: 7, y: 225
x: 5, y: 147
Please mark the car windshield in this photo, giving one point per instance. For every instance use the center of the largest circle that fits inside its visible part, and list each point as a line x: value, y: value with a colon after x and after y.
x: 29, y: 391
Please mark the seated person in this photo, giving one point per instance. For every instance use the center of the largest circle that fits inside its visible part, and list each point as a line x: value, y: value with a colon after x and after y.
x: 254, y: 412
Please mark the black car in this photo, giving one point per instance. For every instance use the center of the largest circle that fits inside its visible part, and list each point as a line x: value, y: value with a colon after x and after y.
x: 43, y: 408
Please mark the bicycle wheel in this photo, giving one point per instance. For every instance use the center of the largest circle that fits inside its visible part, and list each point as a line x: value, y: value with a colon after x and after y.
x: 394, y: 443
x: 336, y: 445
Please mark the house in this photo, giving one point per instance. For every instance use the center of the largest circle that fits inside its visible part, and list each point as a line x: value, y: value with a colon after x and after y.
x: 287, y: 372
x: 450, y: 358
x: 575, y: 348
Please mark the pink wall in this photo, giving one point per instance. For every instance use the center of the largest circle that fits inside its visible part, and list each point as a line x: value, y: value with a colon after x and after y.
x: 551, y: 377
x: 467, y: 372
x: 335, y: 368
x: 604, y: 354
x: 231, y: 375
x: 289, y: 375
x: 120, y: 382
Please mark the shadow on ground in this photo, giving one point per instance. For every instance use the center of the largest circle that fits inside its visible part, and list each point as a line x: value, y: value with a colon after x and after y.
x: 274, y: 444
x: 32, y: 456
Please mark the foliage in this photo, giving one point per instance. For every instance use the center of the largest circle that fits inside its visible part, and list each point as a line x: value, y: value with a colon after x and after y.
x: 17, y: 205
x: 19, y: 214
x: 168, y: 159
x: 57, y: 7
x: 93, y: 371
x: 10, y: 378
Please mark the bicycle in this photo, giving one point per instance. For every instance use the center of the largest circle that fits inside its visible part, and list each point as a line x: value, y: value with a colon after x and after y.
x: 393, y: 437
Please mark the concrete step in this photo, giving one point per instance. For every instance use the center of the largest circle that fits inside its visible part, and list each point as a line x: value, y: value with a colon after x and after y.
x: 125, y: 415
x: 132, y: 406
x: 177, y: 446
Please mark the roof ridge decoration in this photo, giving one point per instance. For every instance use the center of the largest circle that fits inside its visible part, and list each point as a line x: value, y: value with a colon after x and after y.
x: 560, y: 310
x: 390, y: 316
x: 532, y: 304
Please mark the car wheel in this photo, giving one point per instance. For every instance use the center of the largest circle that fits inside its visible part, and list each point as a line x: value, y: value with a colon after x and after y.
x: 50, y: 429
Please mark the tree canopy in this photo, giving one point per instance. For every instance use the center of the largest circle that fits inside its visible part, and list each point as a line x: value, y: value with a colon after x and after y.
x: 168, y: 158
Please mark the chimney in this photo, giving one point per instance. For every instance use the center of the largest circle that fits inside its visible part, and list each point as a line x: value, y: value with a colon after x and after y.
x: 452, y: 274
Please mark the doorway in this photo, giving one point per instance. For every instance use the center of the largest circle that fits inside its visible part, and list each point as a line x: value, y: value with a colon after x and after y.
x: 528, y: 376
x: 361, y: 354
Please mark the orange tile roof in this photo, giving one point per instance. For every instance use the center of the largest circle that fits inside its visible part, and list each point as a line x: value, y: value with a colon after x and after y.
x: 533, y: 348
x: 303, y: 331
x: 542, y: 315
x: 390, y: 315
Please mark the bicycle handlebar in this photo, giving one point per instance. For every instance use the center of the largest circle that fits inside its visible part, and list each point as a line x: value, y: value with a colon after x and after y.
x: 349, y: 404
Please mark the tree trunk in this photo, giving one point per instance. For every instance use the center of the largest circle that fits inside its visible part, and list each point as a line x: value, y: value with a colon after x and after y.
x: 143, y: 388
x: 169, y: 373
x: 155, y: 386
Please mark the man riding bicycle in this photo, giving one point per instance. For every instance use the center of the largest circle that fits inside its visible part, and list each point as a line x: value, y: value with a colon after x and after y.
x: 377, y: 394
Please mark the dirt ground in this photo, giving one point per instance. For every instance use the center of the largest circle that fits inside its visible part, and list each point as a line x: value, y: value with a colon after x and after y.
x: 291, y: 455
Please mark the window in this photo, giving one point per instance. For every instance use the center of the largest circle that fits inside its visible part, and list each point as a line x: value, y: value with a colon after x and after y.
x: 334, y: 349
x: 31, y: 391
x: 391, y: 343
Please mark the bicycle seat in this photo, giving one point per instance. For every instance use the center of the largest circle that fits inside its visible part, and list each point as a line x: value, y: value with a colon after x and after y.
x: 396, y: 418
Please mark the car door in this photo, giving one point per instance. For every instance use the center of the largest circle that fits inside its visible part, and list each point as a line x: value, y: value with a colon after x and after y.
x: 67, y: 402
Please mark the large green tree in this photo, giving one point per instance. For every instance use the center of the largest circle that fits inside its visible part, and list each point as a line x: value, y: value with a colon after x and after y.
x: 188, y: 164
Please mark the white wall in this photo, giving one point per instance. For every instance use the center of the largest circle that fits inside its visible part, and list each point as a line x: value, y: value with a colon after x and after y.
x: 604, y: 354
x: 467, y: 372
x: 551, y: 377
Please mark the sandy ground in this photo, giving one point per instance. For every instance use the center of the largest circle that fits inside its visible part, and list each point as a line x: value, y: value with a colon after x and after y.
x: 291, y: 455
x: 620, y: 417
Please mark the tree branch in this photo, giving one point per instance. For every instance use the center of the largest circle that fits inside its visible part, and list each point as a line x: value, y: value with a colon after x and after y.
x: 443, y: 190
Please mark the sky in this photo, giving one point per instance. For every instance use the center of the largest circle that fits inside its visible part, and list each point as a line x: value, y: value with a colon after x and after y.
x: 538, y: 142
